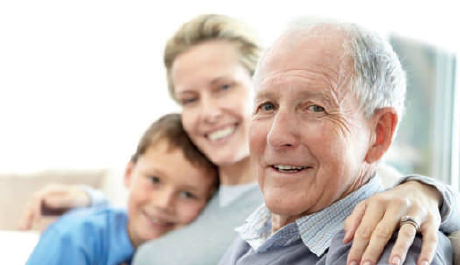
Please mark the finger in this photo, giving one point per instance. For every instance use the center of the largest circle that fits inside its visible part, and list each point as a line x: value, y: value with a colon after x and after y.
x: 381, y: 235
x: 56, y: 196
x: 39, y: 200
x: 430, y: 241
x: 32, y: 213
x: 26, y: 220
x: 34, y: 208
x: 364, y: 231
x: 405, y: 239
x: 57, y: 201
x: 352, y: 221
x: 37, y: 208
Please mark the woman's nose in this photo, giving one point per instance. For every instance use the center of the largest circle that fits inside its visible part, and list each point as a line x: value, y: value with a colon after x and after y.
x: 211, y: 110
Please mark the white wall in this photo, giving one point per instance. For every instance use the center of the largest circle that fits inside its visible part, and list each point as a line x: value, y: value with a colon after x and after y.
x: 81, y: 80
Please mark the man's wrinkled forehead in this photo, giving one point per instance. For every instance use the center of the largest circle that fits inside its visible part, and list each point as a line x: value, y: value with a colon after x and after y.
x: 318, y: 49
x: 317, y: 56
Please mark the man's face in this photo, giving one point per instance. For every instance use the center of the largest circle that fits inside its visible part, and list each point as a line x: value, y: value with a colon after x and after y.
x: 308, y: 137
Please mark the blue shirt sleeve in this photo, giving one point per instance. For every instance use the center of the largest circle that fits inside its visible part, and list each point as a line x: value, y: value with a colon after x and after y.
x: 57, y: 248
x: 85, y: 236
x: 98, y: 198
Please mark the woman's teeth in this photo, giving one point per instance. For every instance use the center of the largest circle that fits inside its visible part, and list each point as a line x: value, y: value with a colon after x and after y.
x: 219, y: 134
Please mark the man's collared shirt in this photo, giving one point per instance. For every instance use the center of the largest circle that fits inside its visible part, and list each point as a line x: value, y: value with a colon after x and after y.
x: 315, y: 230
x: 315, y: 239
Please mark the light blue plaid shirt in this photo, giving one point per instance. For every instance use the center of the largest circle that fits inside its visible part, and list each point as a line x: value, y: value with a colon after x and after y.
x: 316, y: 230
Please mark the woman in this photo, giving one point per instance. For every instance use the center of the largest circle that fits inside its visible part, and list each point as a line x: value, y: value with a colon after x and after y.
x: 210, y: 61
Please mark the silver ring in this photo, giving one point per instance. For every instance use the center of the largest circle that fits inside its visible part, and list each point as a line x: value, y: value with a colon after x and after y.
x: 409, y: 220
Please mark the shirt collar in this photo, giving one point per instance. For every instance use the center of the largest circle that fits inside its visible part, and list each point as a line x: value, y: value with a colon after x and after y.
x: 315, y: 230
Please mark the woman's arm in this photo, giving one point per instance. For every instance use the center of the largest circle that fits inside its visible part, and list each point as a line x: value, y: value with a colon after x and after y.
x: 374, y: 220
x: 455, y: 239
x: 56, y: 199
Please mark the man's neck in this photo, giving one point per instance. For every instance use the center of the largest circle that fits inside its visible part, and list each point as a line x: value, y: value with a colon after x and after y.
x: 279, y: 221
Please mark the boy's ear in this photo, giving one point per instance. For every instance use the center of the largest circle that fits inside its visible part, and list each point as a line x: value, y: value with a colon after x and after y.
x: 382, y: 132
x: 128, y: 173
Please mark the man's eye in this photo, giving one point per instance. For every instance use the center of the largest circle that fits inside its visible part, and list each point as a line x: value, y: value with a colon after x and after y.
x: 316, y: 108
x: 267, y: 107
x: 187, y: 195
x: 154, y: 179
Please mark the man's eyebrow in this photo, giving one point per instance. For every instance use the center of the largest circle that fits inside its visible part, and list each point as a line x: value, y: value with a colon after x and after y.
x: 302, y: 94
x: 264, y: 94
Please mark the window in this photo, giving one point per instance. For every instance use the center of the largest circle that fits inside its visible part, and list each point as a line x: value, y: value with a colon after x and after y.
x: 427, y: 140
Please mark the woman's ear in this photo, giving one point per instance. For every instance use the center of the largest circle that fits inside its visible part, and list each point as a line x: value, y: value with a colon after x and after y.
x: 384, y: 125
x: 128, y: 172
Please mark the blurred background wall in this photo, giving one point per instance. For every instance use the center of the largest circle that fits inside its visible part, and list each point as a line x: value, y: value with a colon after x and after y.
x: 81, y: 80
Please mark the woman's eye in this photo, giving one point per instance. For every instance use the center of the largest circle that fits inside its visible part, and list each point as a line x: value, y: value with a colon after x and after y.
x: 225, y: 87
x: 187, y: 195
x: 316, y: 108
x: 154, y: 180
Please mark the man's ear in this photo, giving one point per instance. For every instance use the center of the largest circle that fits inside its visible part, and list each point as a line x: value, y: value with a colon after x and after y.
x: 383, y: 129
x: 128, y: 172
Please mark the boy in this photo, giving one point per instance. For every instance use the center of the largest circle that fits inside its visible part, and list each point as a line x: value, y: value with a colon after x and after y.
x: 169, y: 183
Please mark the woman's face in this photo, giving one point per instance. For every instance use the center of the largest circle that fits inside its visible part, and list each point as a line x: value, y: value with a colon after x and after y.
x: 215, y: 91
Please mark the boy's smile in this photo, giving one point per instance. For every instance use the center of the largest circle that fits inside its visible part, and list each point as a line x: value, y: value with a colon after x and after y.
x: 166, y: 192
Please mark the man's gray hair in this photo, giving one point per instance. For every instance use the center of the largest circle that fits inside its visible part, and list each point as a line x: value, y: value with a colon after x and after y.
x: 378, y: 79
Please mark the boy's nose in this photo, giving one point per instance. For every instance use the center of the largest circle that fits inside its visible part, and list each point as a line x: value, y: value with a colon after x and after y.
x: 164, y: 200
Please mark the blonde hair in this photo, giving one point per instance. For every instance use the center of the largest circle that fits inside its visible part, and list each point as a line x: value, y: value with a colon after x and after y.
x: 212, y: 27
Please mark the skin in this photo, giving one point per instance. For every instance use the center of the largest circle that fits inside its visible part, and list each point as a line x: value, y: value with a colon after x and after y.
x: 371, y: 228
x: 305, y: 117
x: 214, y: 90
x: 211, y: 76
x: 164, y: 198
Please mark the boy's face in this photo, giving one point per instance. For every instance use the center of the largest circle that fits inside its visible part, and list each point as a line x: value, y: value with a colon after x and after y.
x: 165, y: 192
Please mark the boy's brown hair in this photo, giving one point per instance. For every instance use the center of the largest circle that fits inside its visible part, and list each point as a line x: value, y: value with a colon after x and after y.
x: 169, y: 128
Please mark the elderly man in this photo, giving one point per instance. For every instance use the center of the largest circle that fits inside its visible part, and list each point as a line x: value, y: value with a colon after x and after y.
x: 328, y: 100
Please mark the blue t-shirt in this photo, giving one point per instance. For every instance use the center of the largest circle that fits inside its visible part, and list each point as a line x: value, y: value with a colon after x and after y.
x: 85, y: 236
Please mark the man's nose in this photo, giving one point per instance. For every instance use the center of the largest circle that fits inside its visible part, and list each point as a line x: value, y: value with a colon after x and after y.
x: 284, y: 130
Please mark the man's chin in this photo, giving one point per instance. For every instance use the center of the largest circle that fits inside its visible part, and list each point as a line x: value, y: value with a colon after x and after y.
x: 283, y: 211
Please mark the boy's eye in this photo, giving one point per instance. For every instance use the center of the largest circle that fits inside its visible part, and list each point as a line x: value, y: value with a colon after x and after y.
x: 224, y: 87
x: 154, y: 179
x: 186, y: 101
x: 187, y: 195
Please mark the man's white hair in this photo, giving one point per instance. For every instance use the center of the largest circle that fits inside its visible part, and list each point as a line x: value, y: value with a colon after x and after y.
x: 378, y: 79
